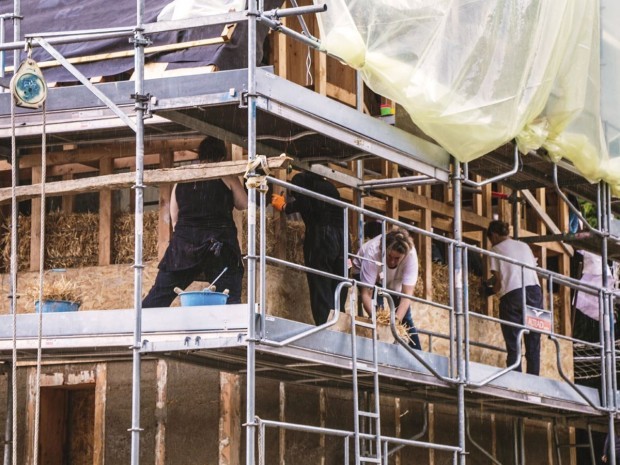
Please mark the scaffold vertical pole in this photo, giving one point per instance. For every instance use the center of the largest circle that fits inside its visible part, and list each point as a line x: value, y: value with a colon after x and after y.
x: 603, y: 225
x: 458, y: 308
x: 253, y: 10
x: 10, y: 446
x: 139, y: 43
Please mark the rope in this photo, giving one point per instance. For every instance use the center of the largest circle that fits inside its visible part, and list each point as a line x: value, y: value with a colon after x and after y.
x: 14, y: 171
x: 37, y: 405
x: 309, y: 80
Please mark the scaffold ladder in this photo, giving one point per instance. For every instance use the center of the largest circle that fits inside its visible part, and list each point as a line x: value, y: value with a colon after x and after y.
x: 367, y: 443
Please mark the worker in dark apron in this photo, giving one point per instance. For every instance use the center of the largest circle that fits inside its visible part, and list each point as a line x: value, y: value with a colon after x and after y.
x: 323, y: 240
x: 204, y: 239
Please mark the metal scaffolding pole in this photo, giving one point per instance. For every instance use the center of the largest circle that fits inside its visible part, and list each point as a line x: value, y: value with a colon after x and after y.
x: 10, y: 433
x: 604, y: 225
x: 139, y: 44
x: 457, y: 180
x: 254, y: 8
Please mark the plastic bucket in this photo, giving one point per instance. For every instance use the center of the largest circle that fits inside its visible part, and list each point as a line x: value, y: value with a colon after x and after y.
x: 55, y: 306
x: 206, y: 297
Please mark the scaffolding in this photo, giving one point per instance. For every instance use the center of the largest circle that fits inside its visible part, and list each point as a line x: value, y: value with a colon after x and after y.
x: 251, y: 339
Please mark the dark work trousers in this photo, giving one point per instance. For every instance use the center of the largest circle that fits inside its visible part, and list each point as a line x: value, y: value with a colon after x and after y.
x: 511, y: 309
x: 414, y: 339
x: 162, y: 293
x: 323, y: 250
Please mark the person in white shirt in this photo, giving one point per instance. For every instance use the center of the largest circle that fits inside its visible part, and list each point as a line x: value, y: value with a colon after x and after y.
x: 509, y: 281
x: 401, y: 276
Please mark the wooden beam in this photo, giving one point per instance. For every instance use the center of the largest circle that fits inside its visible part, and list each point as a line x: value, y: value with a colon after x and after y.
x: 105, y: 216
x: 164, y: 223
x: 35, y: 221
x: 151, y: 177
x: 131, y: 52
x: 94, y: 153
x: 546, y: 219
x: 101, y: 390
x: 230, y: 424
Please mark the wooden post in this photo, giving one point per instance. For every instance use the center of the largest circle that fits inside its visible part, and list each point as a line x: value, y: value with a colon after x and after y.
x: 487, y: 212
x: 426, y: 249
x: 541, y: 229
x: 280, y: 226
x: 320, y: 72
x: 393, y: 201
x: 236, y: 153
x: 30, y: 417
x: 397, y: 427
x: 161, y: 412
x: 564, y: 269
x: 68, y: 201
x: 280, y: 47
x: 505, y: 207
x: 431, y: 432
x: 35, y: 223
x: 230, y: 425
x: 282, y: 431
x: 101, y: 389
x: 494, y: 435
x: 106, y: 166
x: 323, y: 421
x: 164, y: 224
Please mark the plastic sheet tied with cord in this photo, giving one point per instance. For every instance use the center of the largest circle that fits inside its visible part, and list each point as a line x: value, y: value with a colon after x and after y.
x: 474, y: 74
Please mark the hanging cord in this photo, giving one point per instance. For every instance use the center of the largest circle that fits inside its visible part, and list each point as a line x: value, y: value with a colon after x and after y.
x: 37, y: 405
x: 13, y: 283
x: 309, y: 79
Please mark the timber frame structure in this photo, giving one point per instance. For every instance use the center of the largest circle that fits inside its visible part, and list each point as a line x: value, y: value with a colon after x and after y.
x: 240, y: 106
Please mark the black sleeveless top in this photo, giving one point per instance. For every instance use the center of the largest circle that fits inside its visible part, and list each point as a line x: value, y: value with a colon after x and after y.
x: 204, y: 204
x: 205, y: 215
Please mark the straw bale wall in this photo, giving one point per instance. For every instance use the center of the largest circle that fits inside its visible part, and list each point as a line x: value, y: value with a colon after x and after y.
x: 71, y: 240
x: 71, y: 243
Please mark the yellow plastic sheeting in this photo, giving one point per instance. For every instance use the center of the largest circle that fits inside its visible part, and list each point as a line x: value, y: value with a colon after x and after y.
x: 475, y: 74
x: 610, y: 78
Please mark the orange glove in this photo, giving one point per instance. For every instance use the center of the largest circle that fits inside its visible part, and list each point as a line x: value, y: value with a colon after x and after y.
x: 278, y: 202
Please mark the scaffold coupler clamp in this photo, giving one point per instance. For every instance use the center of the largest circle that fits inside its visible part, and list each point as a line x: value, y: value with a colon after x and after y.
x: 28, y: 84
x: 145, y: 103
x: 255, y: 180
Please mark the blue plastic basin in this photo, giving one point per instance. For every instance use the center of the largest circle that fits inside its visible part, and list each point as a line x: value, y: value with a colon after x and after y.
x: 205, y: 297
x: 55, y: 306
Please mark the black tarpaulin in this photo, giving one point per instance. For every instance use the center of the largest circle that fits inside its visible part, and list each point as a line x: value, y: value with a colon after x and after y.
x: 70, y: 15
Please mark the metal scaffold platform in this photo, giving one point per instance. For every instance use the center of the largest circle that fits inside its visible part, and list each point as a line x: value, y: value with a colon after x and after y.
x: 215, y: 336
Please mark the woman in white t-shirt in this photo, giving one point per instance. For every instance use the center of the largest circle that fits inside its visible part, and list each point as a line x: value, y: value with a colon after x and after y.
x: 401, y: 276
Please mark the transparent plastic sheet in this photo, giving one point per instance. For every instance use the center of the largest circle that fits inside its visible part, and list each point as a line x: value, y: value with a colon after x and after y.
x: 475, y: 74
